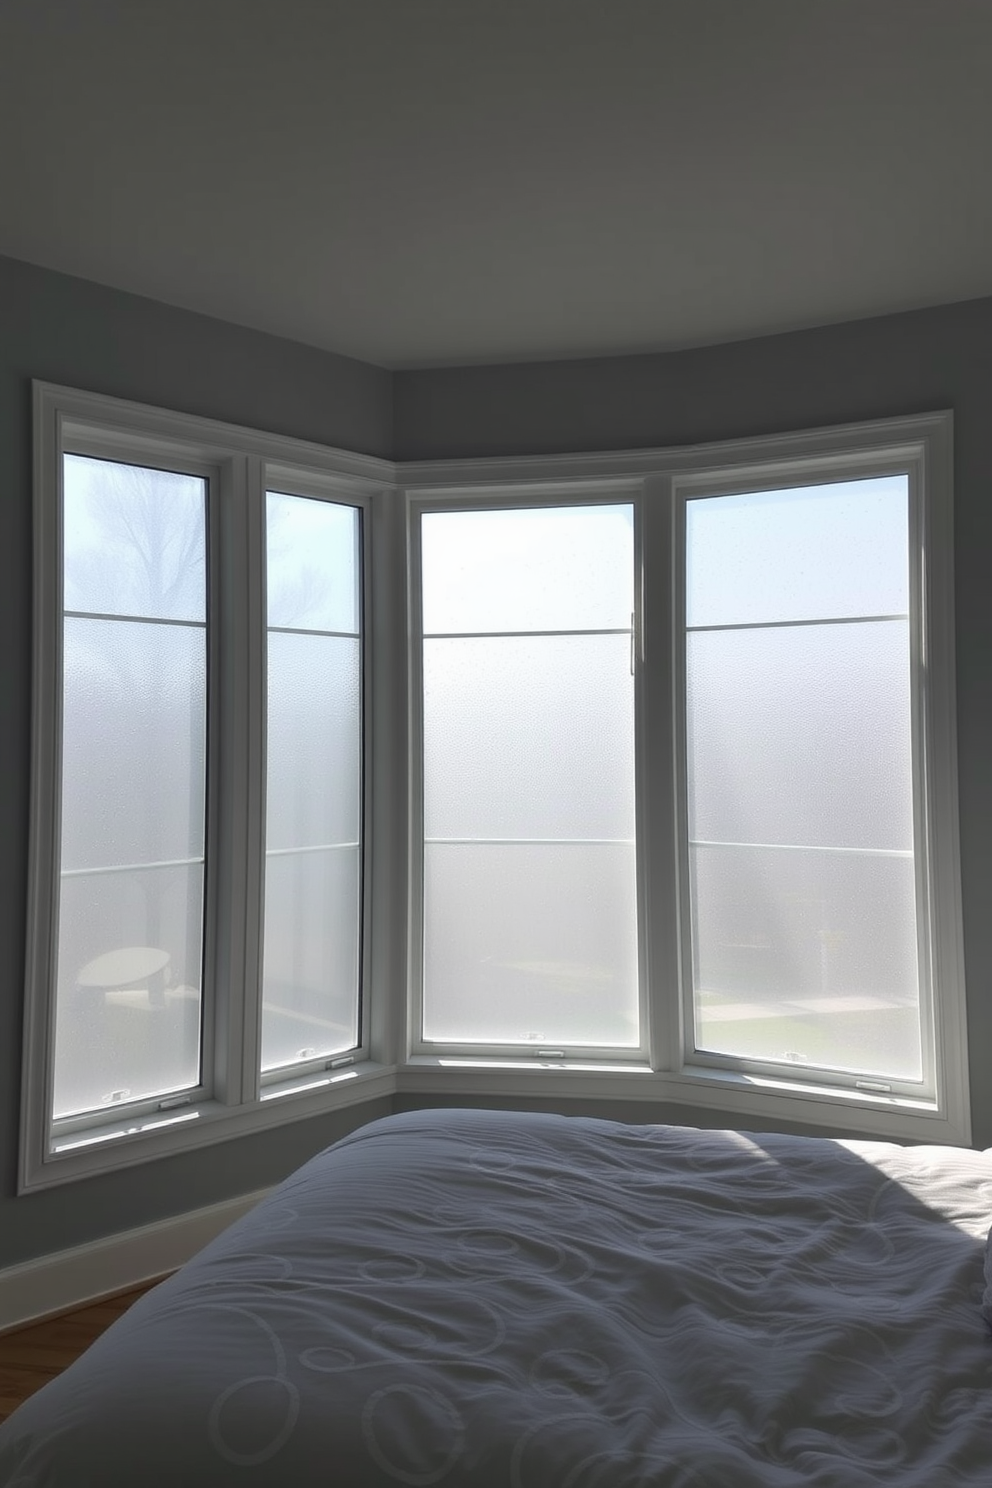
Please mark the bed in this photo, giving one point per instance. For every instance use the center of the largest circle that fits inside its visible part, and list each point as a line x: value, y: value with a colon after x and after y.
x: 503, y: 1300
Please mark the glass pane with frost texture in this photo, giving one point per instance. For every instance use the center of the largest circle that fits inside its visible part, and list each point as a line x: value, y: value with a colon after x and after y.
x: 531, y: 944
x: 530, y: 931
x: 311, y: 945
x: 543, y: 568
x: 134, y: 729
x: 130, y: 914
x: 801, y: 734
x: 314, y: 740
x: 807, y: 957
x: 529, y: 737
x: 134, y: 539
x: 312, y: 914
x: 313, y: 564
x: 799, y: 758
x: 812, y: 553
x: 127, y: 1023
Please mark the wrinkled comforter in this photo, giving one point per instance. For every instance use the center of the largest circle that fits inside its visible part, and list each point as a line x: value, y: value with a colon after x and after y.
x: 501, y: 1300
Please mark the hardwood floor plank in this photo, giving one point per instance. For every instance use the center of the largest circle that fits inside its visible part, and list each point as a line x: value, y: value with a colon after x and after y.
x: 53, y: 1355
x: 33, y: 1355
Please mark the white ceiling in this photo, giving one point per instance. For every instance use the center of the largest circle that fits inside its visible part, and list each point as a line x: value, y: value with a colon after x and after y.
x: 430, y: 182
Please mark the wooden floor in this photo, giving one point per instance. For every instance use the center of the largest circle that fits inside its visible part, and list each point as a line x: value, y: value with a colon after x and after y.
x: 30, y: 1357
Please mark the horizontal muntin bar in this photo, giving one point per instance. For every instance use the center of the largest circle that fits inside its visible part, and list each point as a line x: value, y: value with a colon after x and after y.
x: 131, y: 867
x: 133, y: 619
x: 342, y: 635
x: 870, y: 852
x: 493, y: 635
x: 528, y: 842
x: 797, y: 624
x: 315, y: 847
x: 272, y: 852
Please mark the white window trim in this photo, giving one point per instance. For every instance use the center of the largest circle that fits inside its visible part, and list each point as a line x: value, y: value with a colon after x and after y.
x: 391, y: 1063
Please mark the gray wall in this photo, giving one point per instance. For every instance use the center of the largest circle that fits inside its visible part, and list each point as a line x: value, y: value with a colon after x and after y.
x: 901, y: 364
x: 69, y: 331
x: 65, y: 330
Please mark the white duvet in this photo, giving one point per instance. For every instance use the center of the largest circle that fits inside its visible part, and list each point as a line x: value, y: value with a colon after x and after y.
x: 529, y: 1301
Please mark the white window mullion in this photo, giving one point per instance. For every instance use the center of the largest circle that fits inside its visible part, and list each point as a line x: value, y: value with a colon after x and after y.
x: 255, y: 764
x: 236, y: 781
x: 388, y: 923
x: 658, y: 777
x: 685, y: 1000
x: 415, y: 902
x: 926, y: 930
x: 937, y: 792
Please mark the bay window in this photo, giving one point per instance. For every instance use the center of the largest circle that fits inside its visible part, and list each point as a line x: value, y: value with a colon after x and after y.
x: 660, y: 785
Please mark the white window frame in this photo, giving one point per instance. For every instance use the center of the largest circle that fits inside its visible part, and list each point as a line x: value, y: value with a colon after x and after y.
x: 939, y: 1109
x: 807, y: 473
x: 451, y: 1055
x: 392, y: 1061
x: 233, y: 1096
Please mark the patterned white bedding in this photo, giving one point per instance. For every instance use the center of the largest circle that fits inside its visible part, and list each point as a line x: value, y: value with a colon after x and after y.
x: 486, y: 1300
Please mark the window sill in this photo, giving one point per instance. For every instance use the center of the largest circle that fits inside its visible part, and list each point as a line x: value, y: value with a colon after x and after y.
x: 754, y: 1102
x: 762, y: 1102
x: 122, y: 1144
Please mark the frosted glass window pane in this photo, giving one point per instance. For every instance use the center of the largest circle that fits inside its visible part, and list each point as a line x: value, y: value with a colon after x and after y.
x: 529, y: 737
x: 314, y: 740
x: 129, y: 975
x: 313, y: 564
x: 807, y: 957
x: 531, y: 944
x: 134, y: 720
x: 135, y: 540
x: 529, y: 740
x: 130, y: 921
x: 312, y: 916
x: 554, y: 568
x: 812, y: 553
x: 312, y: 931
x: 801, y: 735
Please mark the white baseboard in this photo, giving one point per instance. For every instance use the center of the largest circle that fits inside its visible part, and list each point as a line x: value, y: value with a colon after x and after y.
x: 71, y: 1278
